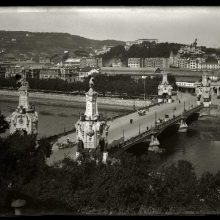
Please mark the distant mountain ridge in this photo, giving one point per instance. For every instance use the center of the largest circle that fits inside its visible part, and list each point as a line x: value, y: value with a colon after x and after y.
x: 48, y: 43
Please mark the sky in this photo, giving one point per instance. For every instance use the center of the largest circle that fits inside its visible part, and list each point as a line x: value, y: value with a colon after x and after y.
x: 167, y: 24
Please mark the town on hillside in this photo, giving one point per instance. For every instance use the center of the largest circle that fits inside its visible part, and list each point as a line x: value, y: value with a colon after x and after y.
x: 139, y: 56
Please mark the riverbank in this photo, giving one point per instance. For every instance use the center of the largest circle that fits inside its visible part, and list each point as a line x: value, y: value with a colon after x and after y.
x: 74, y: 100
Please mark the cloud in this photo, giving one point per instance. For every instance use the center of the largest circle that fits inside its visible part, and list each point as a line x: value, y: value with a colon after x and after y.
x: 173, y: 24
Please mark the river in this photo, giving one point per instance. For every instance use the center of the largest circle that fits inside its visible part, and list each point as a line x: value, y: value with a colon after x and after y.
x: 200, y: 145
x: 53, y: 119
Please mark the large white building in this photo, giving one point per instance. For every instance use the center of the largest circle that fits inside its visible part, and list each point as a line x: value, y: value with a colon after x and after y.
x: 135, y: 62
x: 156, y: 62
x: 210, y: 65
x: 193, y: 63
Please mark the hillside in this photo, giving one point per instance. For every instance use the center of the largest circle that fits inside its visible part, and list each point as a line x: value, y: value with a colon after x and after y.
x: 36, y: 43
x: 140, y: 51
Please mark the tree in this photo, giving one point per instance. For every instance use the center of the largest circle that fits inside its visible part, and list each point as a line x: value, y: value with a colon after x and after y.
x: 3, y: 124
x: 21, y: 162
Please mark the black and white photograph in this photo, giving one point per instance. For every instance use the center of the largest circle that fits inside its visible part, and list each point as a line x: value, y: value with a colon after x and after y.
x: 109, y: 110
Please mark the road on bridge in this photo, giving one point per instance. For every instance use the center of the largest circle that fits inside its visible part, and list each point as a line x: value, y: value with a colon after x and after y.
x: 121, y: 127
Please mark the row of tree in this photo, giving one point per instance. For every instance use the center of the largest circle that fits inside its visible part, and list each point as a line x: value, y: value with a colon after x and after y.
x: 125, y: 86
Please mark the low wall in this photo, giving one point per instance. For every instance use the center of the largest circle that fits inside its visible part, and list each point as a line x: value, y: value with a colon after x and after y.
x: 81, y: 99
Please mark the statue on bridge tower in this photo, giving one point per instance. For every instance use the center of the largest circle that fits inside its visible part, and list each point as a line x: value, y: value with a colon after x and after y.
x: 91, y: 129
x: 25, y: 118
x: 165, y: 90
x: 204, y: 90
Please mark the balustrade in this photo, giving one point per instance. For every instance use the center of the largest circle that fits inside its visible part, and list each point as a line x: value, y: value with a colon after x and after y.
x: 160, y: 126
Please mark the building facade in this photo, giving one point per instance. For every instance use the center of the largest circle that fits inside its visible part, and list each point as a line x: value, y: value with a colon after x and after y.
x: 135, y: 62
x: 69, y: 74
x: 91, y: 62
x: 50, y: 73
x: 209, y: 65
x: 156, y: 62
x: 182, y: 63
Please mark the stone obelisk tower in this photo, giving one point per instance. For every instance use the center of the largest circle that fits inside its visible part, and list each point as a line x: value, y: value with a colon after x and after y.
x: 24, y: 119
x: 91, y: 130
x: 165, y: 90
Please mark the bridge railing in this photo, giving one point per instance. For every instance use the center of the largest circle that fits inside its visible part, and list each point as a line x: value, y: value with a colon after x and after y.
x: 160, y: 126
x: 169, y: 122
x: 137, y: 138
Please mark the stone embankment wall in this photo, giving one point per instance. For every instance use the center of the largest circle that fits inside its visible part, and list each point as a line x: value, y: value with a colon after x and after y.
x: 78, y: 98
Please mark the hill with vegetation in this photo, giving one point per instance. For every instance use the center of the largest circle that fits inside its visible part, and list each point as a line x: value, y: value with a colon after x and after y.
x: 147, y: 49
x: 44, y: 43
x: 144, y: 50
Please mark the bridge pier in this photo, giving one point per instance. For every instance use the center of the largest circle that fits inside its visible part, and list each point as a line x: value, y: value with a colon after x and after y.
x: 154, y: 144
x: 198, y: 100
x: 183, y: 126
x: 105, y: 153
x: 218, y: 93
x: 104, y: 158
